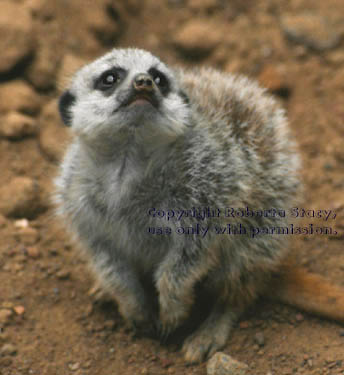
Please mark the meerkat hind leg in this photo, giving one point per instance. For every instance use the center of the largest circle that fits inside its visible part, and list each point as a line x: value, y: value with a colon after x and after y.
x: 212, y: 334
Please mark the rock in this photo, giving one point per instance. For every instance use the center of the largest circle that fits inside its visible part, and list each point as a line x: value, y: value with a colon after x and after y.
x: 63, y: 275
x: 3, y: 221
x: 207, y: 5
x: 19, y: 310
x: 8, y: 349
x: 16, y: 125
x: 28, y: 236
x: 74, y: 366
x: 18, y: 96
x: 50, y: 46
x: 311, y: 30
x: 21, y: 223
x: 17, y: 38
x: 33, y: 252
x: 222, y: 364
x: 198, y: 38
x: 273, y: 80
x: 5, y: 316
x: 299, y: 317
x: 69, y: 65
x: 54, y: 136
x: 104, y: 24
x: 259, y: 338
x: 20, y: 198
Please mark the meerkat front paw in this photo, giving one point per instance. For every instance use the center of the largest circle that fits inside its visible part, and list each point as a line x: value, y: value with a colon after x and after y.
x: 210, y: 337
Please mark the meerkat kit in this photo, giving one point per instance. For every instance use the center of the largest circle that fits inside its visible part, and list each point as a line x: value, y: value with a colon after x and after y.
x: 150, y: 139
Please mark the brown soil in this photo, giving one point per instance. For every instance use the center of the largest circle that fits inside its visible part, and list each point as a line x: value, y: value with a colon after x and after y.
x: 49, y: 322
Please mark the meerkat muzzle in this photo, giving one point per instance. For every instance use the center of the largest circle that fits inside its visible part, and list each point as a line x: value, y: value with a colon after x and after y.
x: 143, y: 82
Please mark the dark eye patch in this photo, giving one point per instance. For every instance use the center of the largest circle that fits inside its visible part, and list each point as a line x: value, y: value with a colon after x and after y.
x: 183, y: 95
x: 65, y: 102
x: 160, y: 80
x: 109, y: 79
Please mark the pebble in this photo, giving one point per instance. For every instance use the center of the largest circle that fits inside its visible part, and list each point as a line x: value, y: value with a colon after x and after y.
x: 18, y: 96
x: 197, y: 39
x: 19, y: 310
x: 28, y: 236
x: 16, y: 125
x: 223, y: 364
x: 20, y: 198
x: 74, y: 366
x: 206, y: 5
x: 299, y: 317
x: 17, y: 38
x: 244, y: 324
x: 5, y: 316
x: 312, y: 30
x: 63, y: 275
x: 341, y: 333
x: 21, y: 223
x: 8, y: 349
x: 259, y: 339
x: 33, y: 252
x: 272, y: 79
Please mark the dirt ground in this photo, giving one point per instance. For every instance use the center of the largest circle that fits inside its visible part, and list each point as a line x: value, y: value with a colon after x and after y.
x: 50, y: 323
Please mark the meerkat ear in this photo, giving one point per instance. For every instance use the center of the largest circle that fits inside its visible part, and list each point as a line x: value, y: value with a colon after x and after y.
x: 183, y: 95
x: 67, y: 99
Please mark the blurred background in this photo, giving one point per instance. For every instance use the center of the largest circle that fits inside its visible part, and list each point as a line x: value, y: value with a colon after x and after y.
x: 50, y: 320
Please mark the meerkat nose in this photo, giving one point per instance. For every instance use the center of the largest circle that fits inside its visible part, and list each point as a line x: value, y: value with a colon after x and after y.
x: 143, y: 82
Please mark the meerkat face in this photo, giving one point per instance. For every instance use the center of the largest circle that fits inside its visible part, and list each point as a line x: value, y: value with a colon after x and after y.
x: 127, y: 91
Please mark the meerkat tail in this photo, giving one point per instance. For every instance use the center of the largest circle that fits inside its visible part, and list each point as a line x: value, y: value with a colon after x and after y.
x: 310, y: 292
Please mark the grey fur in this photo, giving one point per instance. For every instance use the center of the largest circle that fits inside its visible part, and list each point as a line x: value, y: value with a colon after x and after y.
x: 228, y: 147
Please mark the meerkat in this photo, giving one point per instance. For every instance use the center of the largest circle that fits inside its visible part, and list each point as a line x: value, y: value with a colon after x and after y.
x: 150, y: 139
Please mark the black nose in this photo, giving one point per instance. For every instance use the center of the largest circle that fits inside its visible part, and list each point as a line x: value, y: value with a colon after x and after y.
x: 143, y: 82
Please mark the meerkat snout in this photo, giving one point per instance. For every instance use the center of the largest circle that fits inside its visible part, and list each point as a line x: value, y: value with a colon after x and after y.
x: 143, y: 82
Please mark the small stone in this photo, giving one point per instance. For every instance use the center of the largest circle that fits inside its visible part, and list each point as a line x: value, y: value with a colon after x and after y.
x: 197, y: 39
x: 63, y: 275
x: 259, y: 339
x: 341, y: 333
x: 8, y: 349
x: 299, y: 317
x: 272, y: 79
x: 16, y: 125
x: 87, y: 364
x: 5, y: 316
x: 20, y: 198
x: 21, y: 223
x: 19, y: 310
x: 16, y: 30
x: 18, y: 96
x: 244, y: 324
x: 311, y: 30
x: 222, y: 364
x: 74, y: 366
x: 206, y: 5
x: 33, y: 252
x: 28, y: 236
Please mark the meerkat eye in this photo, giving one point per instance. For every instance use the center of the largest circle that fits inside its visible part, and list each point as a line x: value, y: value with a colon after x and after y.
x: 160, y: 80
x: 109, y: 78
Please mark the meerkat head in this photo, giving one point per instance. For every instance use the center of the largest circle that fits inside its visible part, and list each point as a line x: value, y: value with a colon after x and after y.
x: 125, y: 93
